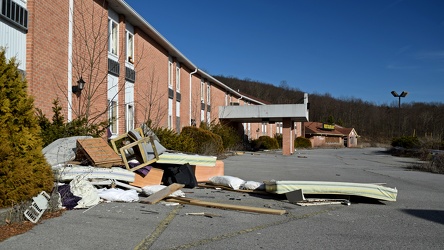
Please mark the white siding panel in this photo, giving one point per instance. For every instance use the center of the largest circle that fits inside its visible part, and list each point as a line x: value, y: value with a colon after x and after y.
x: 15, y: 43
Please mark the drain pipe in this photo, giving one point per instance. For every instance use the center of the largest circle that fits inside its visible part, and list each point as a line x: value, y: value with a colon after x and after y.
x: 191, y: 79
x: 70, y: 39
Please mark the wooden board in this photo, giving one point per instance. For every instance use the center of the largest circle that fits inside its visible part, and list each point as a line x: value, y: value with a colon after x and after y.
x: 226, y: 206
x: 204, y: 173
x: 156, y: 197
x: 154, y: 177
x: 97, y: 152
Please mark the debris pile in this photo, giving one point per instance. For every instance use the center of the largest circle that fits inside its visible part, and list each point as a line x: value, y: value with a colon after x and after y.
x: 137, y: 168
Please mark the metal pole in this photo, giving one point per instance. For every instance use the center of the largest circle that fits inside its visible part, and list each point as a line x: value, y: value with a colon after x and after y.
x: 399, y: 116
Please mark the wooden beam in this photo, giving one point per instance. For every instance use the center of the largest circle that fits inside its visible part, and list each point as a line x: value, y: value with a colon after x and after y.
x: 159, y: 195
x: 196, y: 202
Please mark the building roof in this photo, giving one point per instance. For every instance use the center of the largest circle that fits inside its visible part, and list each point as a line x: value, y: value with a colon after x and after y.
x: 345, y: 131
x: 316, y: 128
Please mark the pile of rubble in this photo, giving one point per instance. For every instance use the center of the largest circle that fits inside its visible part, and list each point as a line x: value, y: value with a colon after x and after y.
x: 137, y: 168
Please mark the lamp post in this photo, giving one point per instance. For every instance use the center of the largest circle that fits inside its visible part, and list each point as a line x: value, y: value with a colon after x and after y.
x: 78, y: 90
x: 403, y: 94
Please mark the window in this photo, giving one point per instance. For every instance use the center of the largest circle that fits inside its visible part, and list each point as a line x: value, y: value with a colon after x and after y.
x: 264, y: 128
x: 112, y: 37
x: 129, y: 47
x: 178, y: 117
x: 112, y: 116
x: 129, y: 117
x: 208, y: 93
x: 170, y: 73
x: 170, y: 113
x: 178, y: 77
x: 15, y: 13
x: 202, y: 90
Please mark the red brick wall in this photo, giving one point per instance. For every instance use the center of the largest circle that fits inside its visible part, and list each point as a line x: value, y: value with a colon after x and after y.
x: 47, y: 53
x: 151, y: 86
x: 90, y: 58
x: 185, y: 96
x: 195, y: 98
x: 217, y: 99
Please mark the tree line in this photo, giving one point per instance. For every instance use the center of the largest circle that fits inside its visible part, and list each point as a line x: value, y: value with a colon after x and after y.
x: 374, y: 122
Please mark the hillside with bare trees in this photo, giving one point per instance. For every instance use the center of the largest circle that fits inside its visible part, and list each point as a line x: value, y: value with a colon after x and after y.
x: 372, y: 122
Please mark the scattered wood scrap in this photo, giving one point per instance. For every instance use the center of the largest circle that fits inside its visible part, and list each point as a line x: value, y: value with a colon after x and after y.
x: 209, y: 185
x: 297, y: 197
x: 156, y: 197
x: 209, y: 215
x: 196, y: 202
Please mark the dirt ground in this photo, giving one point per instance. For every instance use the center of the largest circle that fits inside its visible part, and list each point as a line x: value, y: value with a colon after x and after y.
x: 13, y: 229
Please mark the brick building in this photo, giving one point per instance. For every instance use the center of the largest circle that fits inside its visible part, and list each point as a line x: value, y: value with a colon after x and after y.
x: 102, y: 60
x: 328, y: 135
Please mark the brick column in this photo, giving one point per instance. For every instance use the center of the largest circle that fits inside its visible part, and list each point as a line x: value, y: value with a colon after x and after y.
x: 287, y: 137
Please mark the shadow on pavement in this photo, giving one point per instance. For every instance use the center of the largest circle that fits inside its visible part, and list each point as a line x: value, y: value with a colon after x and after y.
x: 426, y: 214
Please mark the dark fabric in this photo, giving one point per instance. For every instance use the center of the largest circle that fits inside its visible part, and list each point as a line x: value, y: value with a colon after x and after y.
x: 182, y: 174
x: 68, y: 199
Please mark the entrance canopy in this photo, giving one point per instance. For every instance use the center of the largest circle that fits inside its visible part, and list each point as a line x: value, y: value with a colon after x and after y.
x: 285, y: 113
x: 264, y: 113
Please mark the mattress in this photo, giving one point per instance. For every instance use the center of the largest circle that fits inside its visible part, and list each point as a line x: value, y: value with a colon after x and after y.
x: 179, y: 158
x: 374, y: 191
x: 67, y: 173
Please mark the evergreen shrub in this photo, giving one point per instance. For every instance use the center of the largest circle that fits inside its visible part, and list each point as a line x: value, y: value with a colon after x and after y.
x: 264, y: 142
x: 206, y: 142
x: 302, y: 142
x: 230, y: 138
x: 24, y: 172
x: 408, y: 142
x: 58, y: 128
x: 174, y: 141
x: 279, y: 139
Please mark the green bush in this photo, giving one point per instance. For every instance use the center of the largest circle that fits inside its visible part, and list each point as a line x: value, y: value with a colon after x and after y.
x: 174, y: 141
x: 407, y: 142
x: 230, y: 137
x: 264, y: 142
x: 302, y: 142
x: 24, y: 172
x: 279, y: 137
x: 206, y: 142
x: 51, y: 131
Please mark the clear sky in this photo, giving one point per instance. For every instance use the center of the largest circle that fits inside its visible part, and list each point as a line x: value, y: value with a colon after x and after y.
x: 346, y: 48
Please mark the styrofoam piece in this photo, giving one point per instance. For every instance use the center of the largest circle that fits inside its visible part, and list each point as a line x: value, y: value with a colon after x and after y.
x: 38, y: 206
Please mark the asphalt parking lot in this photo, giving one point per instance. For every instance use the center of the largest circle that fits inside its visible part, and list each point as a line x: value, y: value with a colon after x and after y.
x: 414, y: 221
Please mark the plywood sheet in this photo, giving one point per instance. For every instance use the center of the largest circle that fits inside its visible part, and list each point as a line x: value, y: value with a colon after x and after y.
x: 204, y: 173
x: 154, y: 177
x: 97, y: 152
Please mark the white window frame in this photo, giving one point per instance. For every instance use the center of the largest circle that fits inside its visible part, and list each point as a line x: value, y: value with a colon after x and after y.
x: 113, y: 37
x: 202, y: 116
x: 208, y: 93
x: 264, y: 128
x: 178, y: 77
x: 129, y: 47
x: 177, y: 116
x: 170, y: 113
x: 112, y: 116
x: 170, y: 72
x: 129, y: 117
x: 113, y: 102
x: 129, y: 106
x: 202, y: 90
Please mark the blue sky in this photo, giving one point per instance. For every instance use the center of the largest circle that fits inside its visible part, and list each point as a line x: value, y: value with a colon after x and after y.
x: 346, y: 48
